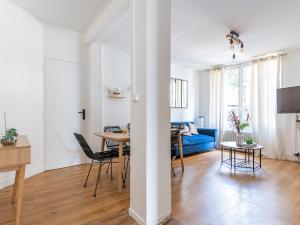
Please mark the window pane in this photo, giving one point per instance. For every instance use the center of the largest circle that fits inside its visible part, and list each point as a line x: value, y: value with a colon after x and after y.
x: 233, y: 87
x: 246, y: 92
x: 178, y: 93
x: 172, y: 93
x: 231, y: 94
x: 184, y: 94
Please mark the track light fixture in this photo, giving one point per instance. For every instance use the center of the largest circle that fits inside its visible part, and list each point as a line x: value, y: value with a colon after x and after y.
x: 233, y: 38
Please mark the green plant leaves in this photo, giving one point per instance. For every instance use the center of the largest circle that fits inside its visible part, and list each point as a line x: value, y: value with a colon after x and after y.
x: 10, y: 135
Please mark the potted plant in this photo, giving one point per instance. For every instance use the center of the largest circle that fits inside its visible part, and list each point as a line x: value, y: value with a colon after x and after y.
x: 238, y: 126
x: 10, y: 137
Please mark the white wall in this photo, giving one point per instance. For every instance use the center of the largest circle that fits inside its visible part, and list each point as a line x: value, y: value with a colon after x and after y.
x: 24, y: 44
x: 62, y: 47
x: 115, y: 72
x: 21, y: 80
x: 204, y: 95
x: 94, y: 96
x: 63, y: 44
x: 291, y: 68
x: 291, y: 77
x: 190, y: 113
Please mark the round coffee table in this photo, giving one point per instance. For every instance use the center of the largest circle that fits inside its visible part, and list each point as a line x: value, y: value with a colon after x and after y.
x: 245, y: 164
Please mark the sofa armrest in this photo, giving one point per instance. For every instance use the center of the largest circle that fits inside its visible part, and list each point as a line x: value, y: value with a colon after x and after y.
x: 209, y: 131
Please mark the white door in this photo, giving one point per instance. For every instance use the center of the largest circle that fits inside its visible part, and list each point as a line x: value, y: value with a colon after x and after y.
x: 64, y: 84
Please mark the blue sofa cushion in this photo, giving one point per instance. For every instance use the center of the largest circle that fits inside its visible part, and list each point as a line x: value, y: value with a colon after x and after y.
x: 196, y: 139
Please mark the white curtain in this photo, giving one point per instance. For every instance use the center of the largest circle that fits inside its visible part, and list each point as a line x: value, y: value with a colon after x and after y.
x: 267, y: 124
x: 216, y: 108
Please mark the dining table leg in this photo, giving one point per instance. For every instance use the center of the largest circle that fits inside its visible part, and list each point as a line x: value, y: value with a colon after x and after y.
x: 181, y: 152
x: 20, y: 191
x: 120, y: 183
x: 14, y: 196
x: 102, y: 145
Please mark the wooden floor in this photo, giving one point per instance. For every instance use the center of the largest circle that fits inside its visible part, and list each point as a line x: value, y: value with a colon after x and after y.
x: 203, y: 195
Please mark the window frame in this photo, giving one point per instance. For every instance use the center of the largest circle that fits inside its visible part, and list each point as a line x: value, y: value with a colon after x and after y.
x: 241, y: 94
x: 180, y: 106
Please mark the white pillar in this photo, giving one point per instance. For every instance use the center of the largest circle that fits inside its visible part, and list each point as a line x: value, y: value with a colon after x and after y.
x: 150, y: 184
x: 93, y: 95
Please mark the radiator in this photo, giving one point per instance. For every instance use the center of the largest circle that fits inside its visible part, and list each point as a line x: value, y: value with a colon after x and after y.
x: 230, y: 135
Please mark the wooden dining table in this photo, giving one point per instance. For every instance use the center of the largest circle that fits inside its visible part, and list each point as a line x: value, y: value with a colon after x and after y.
x: 121, y: 139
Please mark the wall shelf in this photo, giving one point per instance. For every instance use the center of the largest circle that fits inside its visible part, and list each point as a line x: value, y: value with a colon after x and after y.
x: 116, y: 93
x: 116, y: 96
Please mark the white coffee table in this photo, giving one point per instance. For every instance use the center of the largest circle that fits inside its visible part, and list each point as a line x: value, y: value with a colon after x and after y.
x: 244, y: 164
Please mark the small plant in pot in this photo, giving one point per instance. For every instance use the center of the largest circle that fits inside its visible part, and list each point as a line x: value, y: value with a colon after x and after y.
x: 10, y: 137
x: 238, y: 126
x: 249, y: 141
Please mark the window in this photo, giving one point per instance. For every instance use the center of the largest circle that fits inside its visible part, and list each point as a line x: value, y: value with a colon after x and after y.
x: 178, y: 93
x: 237, y: 92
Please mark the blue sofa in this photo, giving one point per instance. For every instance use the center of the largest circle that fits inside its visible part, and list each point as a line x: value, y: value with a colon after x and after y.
x: 206, y: 140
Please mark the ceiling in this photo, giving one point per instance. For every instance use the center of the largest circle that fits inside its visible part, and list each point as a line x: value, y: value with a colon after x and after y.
x: 198, y: 26
x: 76, y: 15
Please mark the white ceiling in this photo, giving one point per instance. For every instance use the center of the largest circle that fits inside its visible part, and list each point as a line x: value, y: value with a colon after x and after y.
x: 76, y: 15
x: 198, y: 26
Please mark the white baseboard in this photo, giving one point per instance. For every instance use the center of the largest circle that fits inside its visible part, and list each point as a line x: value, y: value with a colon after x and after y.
x: 136, y: 217
x: 165, y: 219
x: 290, y: 157
x: 140, y: 221
x: 10, y: 178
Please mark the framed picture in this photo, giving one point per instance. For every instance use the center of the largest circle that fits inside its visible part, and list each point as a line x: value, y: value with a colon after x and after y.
x: 178, y: 93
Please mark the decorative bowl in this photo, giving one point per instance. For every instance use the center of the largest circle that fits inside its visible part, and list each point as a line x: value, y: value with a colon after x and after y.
x: 6, y: 142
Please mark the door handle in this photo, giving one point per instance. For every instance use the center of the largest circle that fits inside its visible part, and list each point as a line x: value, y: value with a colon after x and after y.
x: 83, y: 114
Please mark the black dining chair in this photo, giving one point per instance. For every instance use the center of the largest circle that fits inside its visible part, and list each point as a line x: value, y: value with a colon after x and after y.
x: 97, y: 157
x: 113, y: 145
x: 174, y: 146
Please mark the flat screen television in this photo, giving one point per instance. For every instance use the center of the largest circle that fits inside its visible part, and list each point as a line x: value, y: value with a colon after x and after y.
x: 288, y: 100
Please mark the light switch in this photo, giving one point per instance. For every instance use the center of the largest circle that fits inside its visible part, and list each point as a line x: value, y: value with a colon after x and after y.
x: 136, y: 97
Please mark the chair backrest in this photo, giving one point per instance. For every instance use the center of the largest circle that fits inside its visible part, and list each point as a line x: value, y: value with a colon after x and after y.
x: 174, y: 141
x: 84, y: 145
x: 174, y: 136
x: 110, y: 143
x: 179, y: 125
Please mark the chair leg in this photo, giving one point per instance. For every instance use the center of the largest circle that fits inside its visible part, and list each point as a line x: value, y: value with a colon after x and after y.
x: 124, y: 163
x: 99, y: 175
x: 108, y: 167
x: 111, y: 170
x: 88, y: 173
x: 173, y: 171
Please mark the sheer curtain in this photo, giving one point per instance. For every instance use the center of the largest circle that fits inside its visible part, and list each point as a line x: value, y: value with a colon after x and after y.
x: 266, y: 123
x: 216, y: 108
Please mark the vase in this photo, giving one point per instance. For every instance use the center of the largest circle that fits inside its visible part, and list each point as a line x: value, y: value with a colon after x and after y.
x: 240, y: 139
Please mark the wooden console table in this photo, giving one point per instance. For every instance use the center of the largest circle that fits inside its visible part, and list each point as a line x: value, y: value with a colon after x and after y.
x: 14, y: 158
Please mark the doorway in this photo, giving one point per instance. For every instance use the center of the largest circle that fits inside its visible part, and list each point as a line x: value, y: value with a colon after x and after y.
x: 64, y: 112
